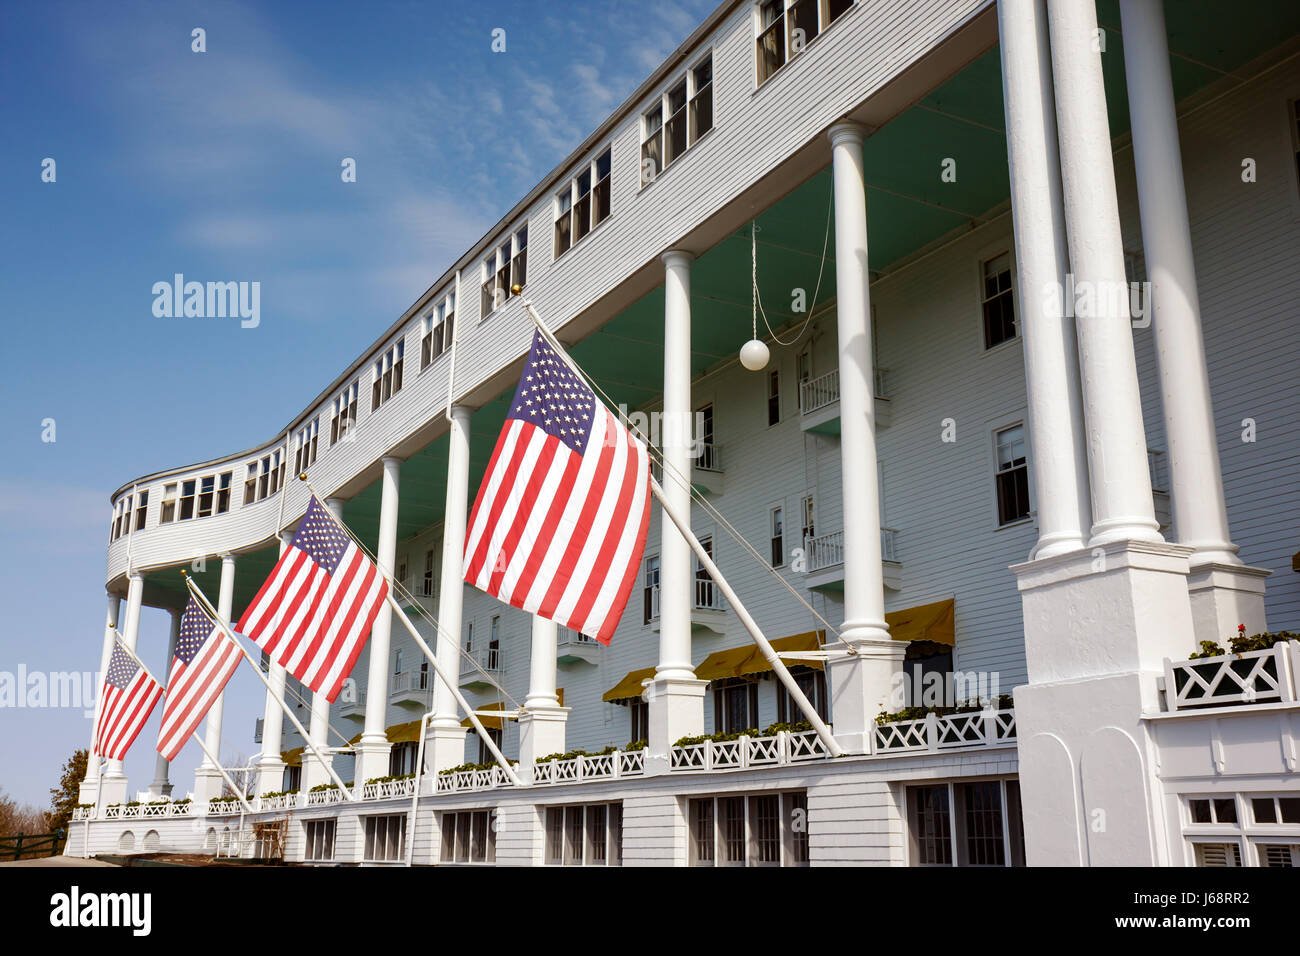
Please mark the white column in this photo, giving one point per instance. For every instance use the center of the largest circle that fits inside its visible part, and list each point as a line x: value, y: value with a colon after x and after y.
x: 1224, y: 592
x: 446, y: 739
x: 90, y: 785
x: 860, y: 683
x: 373, y: 748
x: 1058, y: 457
x: 541, y: 726
x: 315, y: 771
x: 1116, y: 441
x: 162, y: 786
x: 270, y: 767
x: 207, y: 778
x: 675, y: 697
x: 114, y: 779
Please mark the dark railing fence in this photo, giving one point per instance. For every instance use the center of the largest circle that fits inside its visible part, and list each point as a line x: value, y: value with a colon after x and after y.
x: 28, y: 845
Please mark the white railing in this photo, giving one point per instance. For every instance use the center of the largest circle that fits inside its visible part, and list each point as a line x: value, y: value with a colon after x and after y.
x: 357, y: 706
x: 745, y: 751
x: 978, y: 728
x: 488, y: 659
x: 225, y: 808
x: 827, y: 550
x: 408, y: 683
x: 281, y: 801
x: 610, y: 766
x: 472, y: 780
x: 710, y: 457
x: 819, y: 392
x: 325, y: 798
x: 1252, y: 677
x: 389, y: 789
x: 567, y: 635
x: 707, y: 596
x: 139, y: 811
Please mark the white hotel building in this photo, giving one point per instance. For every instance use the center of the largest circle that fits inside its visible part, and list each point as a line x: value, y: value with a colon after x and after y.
x: 960, y: 479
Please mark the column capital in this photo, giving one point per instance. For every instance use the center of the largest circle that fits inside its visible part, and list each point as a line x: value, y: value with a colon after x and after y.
x: 847, y: 131
x: 227, y: 556
x: 677, y: 257
x: 460, y: 414
x: 391, y: 461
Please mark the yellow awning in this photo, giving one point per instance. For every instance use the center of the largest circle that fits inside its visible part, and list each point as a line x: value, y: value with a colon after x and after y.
x: 926, y: 622
x: 748, y: 659
x: 404, y: 733
x: 629, y: 686
x: 292, y: 758
x: 489, y: 723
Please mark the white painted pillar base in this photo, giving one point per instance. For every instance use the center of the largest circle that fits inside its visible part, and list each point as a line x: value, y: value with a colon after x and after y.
x: 541, y: 732
x: 1224, y: 596
x: 860, y: 687
x: 1098, y: 625
x: 676, y: 707
x: 444, y: 747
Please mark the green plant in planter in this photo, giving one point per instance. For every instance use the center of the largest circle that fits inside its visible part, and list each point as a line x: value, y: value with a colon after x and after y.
x: 324, y: 786
x: 390, y: 778
x: 466, y: 767
x: 797, y: 727
x: 636, y: 745
x: 181, y: 803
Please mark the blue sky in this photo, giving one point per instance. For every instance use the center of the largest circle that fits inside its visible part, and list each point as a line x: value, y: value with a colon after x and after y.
x: 224, y: 165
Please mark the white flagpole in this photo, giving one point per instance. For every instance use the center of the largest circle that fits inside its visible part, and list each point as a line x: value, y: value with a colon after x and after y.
x: 774, y: 659
x: 455, y: 690
x: 297, y: 724
x: 194, y: 734
x: 415, y: 796
x: 684, y: 526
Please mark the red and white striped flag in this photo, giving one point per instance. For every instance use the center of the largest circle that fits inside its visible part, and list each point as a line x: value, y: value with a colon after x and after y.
x: 126, y: 700
x: 204, y: 662
x: 314, y: 612
x: 560, y: 521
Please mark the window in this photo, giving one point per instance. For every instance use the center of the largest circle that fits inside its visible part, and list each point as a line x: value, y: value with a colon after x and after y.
x: 585, y: 835
x: 469, y: 636
x: 121, y: 519
x: 168, y: 512
x: 187, y: 499
x: 639, y: 712
x: 428, y: 572
x: 468, y: 836
x: 735, y: 705
x: 975, y: 823
x: 707, y: 595
x: 402, y: 758
x: 305, y: 456
x: 388, y: 375
x: 813, y: 684
x: 141, y: 509
x: 809, y: 529
x: 765, y: 829
x: 773, y: 397
x: 777, y: 537
x: 320, y: 841
x: 385, y: 839
x: 683, y: 114
x: 999, y: 309
x: 223, y: 491
x: 1012, y: 475
x: 805, y: 366
x: 786, y: 27
x: 503, y: 269
x: 1269, y: 823
x: 345, y: 414
x: 439, y: 327
x: 1217, y: 854
x: 650, y: 592
x: 583, y: 204
x: 709, y: 458
x: 485, y: 754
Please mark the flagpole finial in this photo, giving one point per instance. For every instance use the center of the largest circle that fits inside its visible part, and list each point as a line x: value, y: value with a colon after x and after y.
x: 516, y: 289
x: 184, y: 573
x: 302, y: 476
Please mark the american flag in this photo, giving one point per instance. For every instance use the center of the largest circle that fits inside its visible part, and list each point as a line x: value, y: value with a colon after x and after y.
x: 314, y: 612
x: 205, y: 659
x: 561, y: 515
x: 126, y: 700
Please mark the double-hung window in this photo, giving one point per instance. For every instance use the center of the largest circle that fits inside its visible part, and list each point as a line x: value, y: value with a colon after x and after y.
x: 385, y: 838
x: 439, y: 325
x: 776, y: 536
x: 305, y: 456
x: 388, y: 375
x: 764, y: 829
x: 167, y: 514
x: 786, y: 27
x: 650, y: 590
x: 121, y: 519
x: 975, y: 823
x: 997, y: 303
x: 504, y: 269
x: 141, y: 509
x: 468, y: 836
x: 1012, y: 474
x: 680, y: 118
x: 583, y: 203
x: 590, y: 835
x: 345, y: 413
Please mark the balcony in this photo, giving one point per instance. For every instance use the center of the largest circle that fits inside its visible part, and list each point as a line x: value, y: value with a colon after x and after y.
x: 1250, y: 678
x: 824, y: 555
x: 708, y: 609
x: 574, y: 647
x: 479, y: 668
x: 819, y: 403
x: 706, y: 471
x: 356, y: 709
x: 410, y: 689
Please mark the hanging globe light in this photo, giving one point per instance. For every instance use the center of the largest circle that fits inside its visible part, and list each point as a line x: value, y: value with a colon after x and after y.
x: 754, y: 355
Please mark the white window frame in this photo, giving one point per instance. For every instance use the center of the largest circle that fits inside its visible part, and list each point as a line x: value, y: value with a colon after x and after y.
x: 986, y: 257
x: 774, y: 509
x: 584, y: 854
x: 789, y: 52
x: 566, y: 202
x: 438, y: 330
x: 995, y: 432
x: 392, y: 834
x: 471, y: 842
x: 957, y: 851
x: 308, y: 438
x: 688, y: 110
x: 787, y: 840
x: 386, y: 372
x: 516, y: 270
x: 344, y: 417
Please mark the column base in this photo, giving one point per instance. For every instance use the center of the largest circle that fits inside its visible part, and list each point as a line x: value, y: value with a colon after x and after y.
x: 676, y: 711
x: 315, y: 772
x: 861, y: 685
x: 160, y: 789
x: 112, y: 790
x: 1098, y: 625
x: 1224, y: 596
x: 541, y: 732
x: 88, y: 791
x: 444, y: 746
x: 372, y: 758
x: 270, y: 777
x: 208, y: 784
